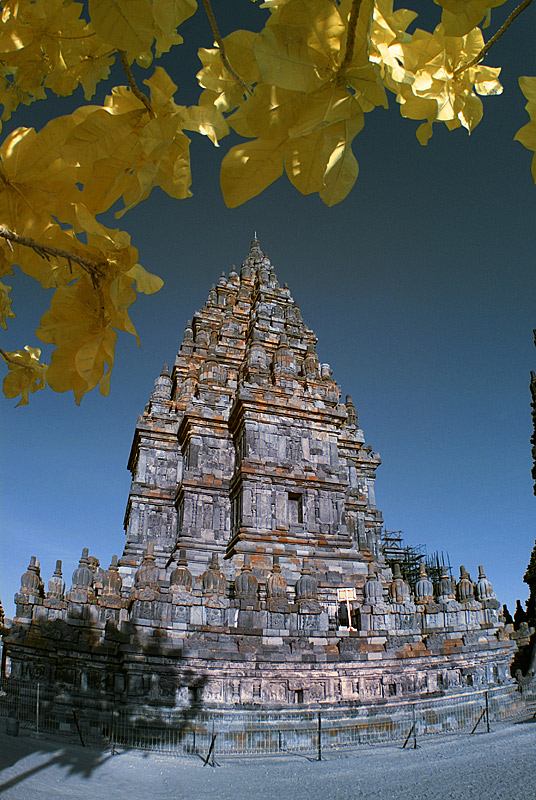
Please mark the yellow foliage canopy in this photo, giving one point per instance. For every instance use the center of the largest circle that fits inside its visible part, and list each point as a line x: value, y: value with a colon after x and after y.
x: 297, y: 92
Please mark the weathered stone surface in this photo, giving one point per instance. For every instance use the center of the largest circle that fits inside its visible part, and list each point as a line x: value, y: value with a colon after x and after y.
x: 246, y: 461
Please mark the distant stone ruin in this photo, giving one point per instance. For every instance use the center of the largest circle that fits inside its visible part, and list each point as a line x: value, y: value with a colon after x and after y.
x: 253, y: 572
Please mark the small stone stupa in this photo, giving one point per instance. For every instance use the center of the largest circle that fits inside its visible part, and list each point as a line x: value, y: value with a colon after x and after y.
x: 250, y: 523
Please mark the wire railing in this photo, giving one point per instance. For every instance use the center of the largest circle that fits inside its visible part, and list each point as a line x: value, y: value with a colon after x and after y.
x: 42, y: 708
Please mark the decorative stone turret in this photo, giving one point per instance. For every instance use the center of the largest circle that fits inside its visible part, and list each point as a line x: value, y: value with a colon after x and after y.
x: 82, y: 578
x: 30, y: 583
x: 213, y: 580
x: 424, y: 588
x: 147, y: 575
x: 82, y: 594
x: 373, y: 587
x: 180, y: 580
x: 399, y: 590
x: 112, y: 583
x: 56, y: 585
x: 31, y: 591
x: 352, y: 421
x: 311, y: 369
x: 465, y: 592
x: 446, y: 589
x: 145, y: 596
x: 95, y: 567
x: 284, y: 365
x: 247, y: 587
x: 276, y: 590
x: 484, y: 589
x: 162, y: 386
x: 307, y: 592
x: 214, y: 585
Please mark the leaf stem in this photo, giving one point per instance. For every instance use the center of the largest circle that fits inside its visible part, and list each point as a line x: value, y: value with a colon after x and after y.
x: 8, y: 359
x: 504, y: 27
x: 94, y: 268
x: 132, y: 83
x: 350, y: 39
x: 219, y: 41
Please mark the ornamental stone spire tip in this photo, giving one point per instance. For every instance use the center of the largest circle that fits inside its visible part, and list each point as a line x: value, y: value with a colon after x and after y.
x: 255, y: 248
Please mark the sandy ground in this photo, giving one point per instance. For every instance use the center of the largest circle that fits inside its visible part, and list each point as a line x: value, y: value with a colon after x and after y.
x: 500, y: 765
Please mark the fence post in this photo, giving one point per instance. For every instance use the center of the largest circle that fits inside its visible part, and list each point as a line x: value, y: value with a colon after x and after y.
x: 319, y: 738
x: 37, y: 708
x: 412, y: 730
x: 487, y: 710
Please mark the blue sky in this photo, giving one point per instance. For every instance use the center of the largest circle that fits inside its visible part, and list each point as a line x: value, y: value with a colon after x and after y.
x: 420, y: 287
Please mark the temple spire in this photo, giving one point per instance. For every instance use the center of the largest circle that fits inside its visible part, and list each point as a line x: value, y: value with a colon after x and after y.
x: 255, y: 249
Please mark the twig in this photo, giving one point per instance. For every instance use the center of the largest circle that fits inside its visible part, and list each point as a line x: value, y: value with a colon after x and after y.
x: 7, y: 358
x: 132, y: 83
x: 504, y: 27
x: 350, y: 39
x: 219, y: 41
x: 94, y: 268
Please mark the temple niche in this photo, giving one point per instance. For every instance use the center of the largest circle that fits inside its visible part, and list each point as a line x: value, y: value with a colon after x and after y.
x: 251, y: 515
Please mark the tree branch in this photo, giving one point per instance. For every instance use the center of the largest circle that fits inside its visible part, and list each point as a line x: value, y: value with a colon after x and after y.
x: 350, y: 39
x: 93, y: 268
x: 504, y: 27
x: 132, y: 83
x: 219, y: 41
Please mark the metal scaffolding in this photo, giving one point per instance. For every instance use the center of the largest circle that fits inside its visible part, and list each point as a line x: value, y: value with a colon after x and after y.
x: 409, y: 557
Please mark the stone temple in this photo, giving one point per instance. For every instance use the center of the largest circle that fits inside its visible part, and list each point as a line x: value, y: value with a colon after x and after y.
x: 253, y: 572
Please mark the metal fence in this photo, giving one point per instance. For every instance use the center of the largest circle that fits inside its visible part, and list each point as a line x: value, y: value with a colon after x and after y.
x: 208, y: 733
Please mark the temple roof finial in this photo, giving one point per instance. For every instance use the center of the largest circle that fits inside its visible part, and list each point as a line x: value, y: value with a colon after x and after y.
x: 255, y: 249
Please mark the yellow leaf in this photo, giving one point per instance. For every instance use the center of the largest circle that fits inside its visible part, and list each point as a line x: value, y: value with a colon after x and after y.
x: 51, y: 272
x: 124, y: 24
x: 88, y: 66
x: 167, y: 16
x: 26, y: 373
x: 527, y: 134
x: 471, y: 113
x: 269, y: 113
x: 207, y: 120
x: 45, y: 43
x: 317, y: 20
x: 91, y: 357
x: 249, y: 168
x: 323, y: 161
x: 436, y: 86
x: 369, y: 88
x: 303, y: 163
x: 286, y: 61
x: 6, y: 258
x: 174, y: 175
x: 330, y: 104
x: 145, y: 281
x: 5, y: 305
x: 424, y: 133
x: 461, y: 16
x: 162, y: 89
x: 341, y: 169
x: 80, y: 323
x: 239, y: 50
x: 528, y: 87
x: 37, y: 183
